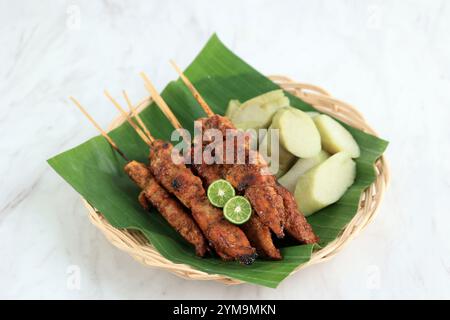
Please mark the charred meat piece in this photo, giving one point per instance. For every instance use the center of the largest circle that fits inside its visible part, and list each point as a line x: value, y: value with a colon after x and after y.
x: 176, y: 178
x: 170, y: 209
x: 217, y: 122
x: 228, y: 130
x: 243, y: 177
x: 143, y: 200
x: 260, y: 237
x: 207, y: 172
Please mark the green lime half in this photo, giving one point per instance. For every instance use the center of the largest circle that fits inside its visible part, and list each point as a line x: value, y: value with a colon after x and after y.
x: 219, y: 192
x: 237, y: 210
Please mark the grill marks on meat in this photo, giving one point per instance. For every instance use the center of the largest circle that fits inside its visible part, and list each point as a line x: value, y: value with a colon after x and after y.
x: 170, y: 209
x: 269, y: 206
x: 227, y: 239
x: 296, y: 224
x: 217, y: 122
x: 207, y: 172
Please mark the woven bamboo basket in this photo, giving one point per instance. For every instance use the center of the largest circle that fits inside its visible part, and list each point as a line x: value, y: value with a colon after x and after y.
x: 136, y: 245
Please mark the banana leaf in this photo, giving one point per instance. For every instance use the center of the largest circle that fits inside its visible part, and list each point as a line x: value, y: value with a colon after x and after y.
x: 95, y: 170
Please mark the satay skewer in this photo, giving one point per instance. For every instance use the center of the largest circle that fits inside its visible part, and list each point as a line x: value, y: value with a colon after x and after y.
x: 152, y: 192
x: 228, y: 240
x: 291, y: 218
x: 258, y: 234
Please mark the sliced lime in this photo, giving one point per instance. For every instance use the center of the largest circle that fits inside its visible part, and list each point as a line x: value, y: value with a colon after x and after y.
x: 237, y: 210
x: 219, y: 192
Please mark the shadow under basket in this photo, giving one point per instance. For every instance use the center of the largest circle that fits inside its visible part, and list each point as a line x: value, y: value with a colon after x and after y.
x: 136, y: 245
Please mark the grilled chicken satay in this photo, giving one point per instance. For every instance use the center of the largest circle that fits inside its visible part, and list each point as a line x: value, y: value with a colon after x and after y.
x: 228, y: 240
x: 258, y: 234
x: 261, y: 238
x: 174, y: 213
x: 297, y: 228
x: 152, y: 192
x: 267, y: 197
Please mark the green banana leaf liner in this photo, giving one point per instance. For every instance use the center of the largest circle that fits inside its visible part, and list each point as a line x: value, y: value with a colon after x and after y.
x: 95, y: 170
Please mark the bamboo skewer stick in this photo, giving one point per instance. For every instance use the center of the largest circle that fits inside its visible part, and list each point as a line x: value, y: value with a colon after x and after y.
x: 99, y: 128
x: 170, y: 115
x: 196, y: 94
x: 159, y: 100
x: 141, y: 134
x: 134, y: 113
x: 193, y: 90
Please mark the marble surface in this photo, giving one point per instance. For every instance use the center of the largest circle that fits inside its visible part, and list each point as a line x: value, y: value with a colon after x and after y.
x: 388, y: 58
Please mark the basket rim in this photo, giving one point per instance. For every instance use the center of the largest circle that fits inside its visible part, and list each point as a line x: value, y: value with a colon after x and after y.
x: 135, y: 244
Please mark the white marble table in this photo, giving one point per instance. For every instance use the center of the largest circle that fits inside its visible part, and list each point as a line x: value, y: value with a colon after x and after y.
x: 391, y: 59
